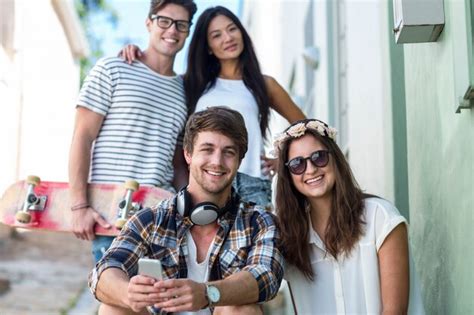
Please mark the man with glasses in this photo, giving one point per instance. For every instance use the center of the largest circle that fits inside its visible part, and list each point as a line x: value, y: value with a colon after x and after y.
x: 129, y: 118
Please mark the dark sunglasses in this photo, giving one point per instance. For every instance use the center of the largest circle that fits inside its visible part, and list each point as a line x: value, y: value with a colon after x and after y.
x: 297, y: 165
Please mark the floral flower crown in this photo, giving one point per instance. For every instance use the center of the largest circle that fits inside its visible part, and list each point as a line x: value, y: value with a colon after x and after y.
x: 299, y: 129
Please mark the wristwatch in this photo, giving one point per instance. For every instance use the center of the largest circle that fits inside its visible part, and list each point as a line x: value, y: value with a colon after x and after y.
x: 213, y: 294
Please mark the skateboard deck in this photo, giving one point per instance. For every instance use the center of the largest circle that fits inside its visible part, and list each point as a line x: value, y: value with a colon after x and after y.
x: 33, y: 204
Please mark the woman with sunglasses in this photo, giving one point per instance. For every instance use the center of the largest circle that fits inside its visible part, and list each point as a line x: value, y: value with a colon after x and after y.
x: 223, y: 70
x: 346, y: 252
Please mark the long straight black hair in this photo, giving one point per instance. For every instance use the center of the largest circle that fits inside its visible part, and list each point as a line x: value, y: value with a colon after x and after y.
x: 203, y: 68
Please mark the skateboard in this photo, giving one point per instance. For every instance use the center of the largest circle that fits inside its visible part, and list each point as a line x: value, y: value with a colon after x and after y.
x: 33, y: 204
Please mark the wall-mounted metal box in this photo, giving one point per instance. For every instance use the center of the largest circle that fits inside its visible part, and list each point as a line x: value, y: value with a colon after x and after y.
x: 417, y: 21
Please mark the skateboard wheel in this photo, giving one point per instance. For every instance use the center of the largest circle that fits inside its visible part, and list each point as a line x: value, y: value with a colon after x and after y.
x: 33, y: 180
x: 133, y: 185
x: 120, y: 223
x: 23, y: 217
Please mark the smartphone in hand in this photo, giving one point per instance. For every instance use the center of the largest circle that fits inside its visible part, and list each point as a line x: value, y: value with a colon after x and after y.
x: 150, y: 267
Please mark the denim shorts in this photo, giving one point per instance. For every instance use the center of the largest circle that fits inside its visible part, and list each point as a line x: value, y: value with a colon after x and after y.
x: 253, y: 189
x: 100, y: 244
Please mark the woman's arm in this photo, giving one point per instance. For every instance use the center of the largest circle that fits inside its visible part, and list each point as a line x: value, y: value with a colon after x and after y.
x: 394, y: 271
x: 281, y: 101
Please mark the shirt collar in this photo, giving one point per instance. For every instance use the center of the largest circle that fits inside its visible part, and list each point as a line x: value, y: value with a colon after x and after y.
x: 314, y: 237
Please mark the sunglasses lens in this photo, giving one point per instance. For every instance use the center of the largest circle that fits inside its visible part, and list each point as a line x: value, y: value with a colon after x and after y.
x: 320, y: 158
x: 297, y: 165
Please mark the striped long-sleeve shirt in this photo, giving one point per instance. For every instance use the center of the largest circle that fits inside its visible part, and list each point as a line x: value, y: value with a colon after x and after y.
x: 246, y: 240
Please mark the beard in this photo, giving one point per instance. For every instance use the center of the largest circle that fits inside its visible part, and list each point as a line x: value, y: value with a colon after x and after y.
x: 216, y: 189
x: 209, y: 186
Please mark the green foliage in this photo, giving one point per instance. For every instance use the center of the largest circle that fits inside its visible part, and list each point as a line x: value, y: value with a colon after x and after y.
x: 87, y: 11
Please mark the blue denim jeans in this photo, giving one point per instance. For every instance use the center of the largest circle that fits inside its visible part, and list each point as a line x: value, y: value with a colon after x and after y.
x: 253, y: 189
x: 100, y: 244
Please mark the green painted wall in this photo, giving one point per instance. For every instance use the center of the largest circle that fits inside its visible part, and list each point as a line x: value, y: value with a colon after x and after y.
x: 440, y: 148
x: 399, y: 127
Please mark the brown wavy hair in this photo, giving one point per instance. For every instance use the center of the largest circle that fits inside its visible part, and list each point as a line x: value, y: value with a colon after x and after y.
x: 345, y: 225
x: 218, y: 119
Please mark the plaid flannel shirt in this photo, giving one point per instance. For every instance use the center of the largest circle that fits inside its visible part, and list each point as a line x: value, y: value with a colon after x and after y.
x: 246, y: 240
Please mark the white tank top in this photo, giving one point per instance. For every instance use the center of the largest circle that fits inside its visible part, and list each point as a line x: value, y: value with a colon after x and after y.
x: 234, y: 94
x: 196, y: 271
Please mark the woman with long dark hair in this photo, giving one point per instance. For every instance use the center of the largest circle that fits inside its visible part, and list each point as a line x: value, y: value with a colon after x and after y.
x: 223, y: 70
x: 346, y: 252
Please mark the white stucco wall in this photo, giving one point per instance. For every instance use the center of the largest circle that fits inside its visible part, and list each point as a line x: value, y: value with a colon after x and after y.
x: 37, y: 96
x: 321, y: 93
x: 370, y: 129
x: 8, y: 120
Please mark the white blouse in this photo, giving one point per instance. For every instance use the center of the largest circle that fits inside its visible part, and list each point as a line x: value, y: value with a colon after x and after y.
x: 351, y: 285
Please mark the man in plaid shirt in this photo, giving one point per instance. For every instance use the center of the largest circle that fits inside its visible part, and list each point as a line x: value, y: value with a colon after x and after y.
x: 218, y: 253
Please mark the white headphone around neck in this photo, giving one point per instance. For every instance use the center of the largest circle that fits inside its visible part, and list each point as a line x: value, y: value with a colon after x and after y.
x: 204, y: 212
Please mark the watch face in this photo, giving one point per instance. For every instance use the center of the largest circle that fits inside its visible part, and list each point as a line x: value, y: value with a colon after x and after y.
x: 213, y: 294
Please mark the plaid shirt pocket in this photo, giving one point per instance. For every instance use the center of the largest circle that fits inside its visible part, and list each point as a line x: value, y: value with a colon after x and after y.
x: 232, y: 261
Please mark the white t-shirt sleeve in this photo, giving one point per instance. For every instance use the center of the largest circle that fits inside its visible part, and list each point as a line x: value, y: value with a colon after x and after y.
x: 96, y: 92
x: 387, y: 218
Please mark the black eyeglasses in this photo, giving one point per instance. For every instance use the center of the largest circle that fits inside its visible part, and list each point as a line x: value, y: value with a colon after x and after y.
x: 297, y: 165
x: 166, y: 22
